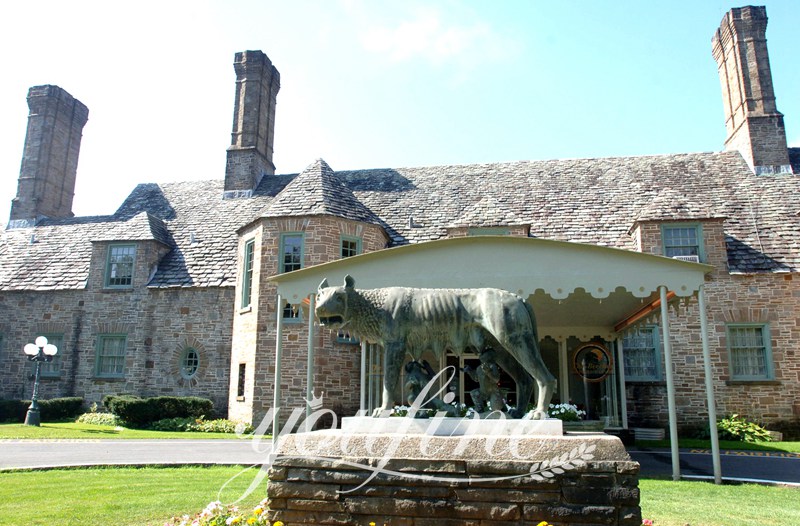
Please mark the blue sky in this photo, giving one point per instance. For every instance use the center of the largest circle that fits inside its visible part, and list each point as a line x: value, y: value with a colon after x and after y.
x: 369, y: 84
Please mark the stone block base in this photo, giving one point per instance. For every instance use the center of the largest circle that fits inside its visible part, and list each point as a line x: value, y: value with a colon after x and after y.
x: 330, y: 477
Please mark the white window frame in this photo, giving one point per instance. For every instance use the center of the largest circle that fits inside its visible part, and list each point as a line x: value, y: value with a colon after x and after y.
x: 113, y: 266
x: 765, y: 347
x: 632, y: 349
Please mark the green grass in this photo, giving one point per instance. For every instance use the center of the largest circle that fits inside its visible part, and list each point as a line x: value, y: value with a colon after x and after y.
x: 691, y: 443
x: 121, y: 496
x: 131, y: 496
x: 71, y: 430
x: 671, y: 503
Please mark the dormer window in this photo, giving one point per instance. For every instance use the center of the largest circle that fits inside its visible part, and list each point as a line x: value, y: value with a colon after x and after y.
x: 351, y: 246
x: 489, y: 231
x: 119, y: 266
x: 683, y: 241
x: 291, y: 252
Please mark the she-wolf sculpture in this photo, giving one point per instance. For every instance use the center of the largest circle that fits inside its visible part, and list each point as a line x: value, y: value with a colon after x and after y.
x: 415, y: 320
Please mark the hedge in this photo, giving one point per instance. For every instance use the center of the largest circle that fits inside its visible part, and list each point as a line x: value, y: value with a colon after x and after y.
x: 49, y: 410
x: 141, y: 412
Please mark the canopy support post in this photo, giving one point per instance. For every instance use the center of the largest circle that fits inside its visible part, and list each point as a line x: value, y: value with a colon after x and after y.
x: 623, y: 394
x: 673, y: 417
x: 310, y: 364
x: 712, y: 409
x: 276, y: 389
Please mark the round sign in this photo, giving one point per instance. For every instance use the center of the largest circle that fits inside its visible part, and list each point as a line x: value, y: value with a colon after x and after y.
x: 593, y: 362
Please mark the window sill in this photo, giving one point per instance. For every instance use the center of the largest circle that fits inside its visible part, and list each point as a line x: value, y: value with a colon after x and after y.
x: 753, y: 382
x: 240, y: 399
x: 118, y: 289
x: 245, y: 310
x: 660, y: 383
x: 108, y: 378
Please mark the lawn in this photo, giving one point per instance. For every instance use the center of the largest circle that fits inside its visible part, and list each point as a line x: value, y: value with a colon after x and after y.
x: 690, y: 443
x: 121, y: 496
x: 71, y: 430
x: 671, y: 503
x: 131, y: 496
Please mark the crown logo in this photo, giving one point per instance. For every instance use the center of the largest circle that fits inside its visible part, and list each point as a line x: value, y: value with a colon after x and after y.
x: 315, y: 403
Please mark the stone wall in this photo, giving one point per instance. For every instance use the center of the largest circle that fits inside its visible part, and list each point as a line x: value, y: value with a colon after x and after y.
x: 730, y: 298
x: 159, y: 325
x: 437, y: 485
x: 337, y: 365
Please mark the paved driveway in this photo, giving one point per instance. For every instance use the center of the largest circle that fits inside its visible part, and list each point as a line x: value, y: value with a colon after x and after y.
x: 744, y: 466
x: 20, y: 454
x: 58, y: 453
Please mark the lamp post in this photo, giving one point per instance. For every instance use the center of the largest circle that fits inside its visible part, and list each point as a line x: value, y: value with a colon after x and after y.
x: 38, y: 352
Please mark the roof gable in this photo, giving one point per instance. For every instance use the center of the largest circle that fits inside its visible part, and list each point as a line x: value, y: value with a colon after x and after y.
x: 318, y: 191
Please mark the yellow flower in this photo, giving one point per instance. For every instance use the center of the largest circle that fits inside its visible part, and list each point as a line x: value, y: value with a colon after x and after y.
x: 251, y: 520
x: 257, y: 510
x: 277, y: 523
x: 543, y: 523
x: 372, y: 523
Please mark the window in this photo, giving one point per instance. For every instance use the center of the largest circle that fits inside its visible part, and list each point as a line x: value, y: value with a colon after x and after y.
x: 110, y: 355
x: 53, y: 367
x: 489, y: 231
x: 190, y: 362
x: 292, y: 313
x: 642, y: 356
x: 682, y: 240
x: 750, y: 353
x: 351, y: 246
x: 119, y: 267
x: 240, y: 382
x: 247, y: 273
x: 291, y: 252
x: 344, y: 336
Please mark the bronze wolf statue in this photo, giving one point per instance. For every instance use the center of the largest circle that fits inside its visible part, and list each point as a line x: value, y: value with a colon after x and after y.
x: 415, y: 320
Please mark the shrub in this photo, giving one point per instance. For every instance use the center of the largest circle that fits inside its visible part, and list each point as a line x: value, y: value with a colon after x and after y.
x: 136, y: 412
x: 13, y: 410
x: 49, y: 410
x: 736, y: 427
x: 182, y: 407
x: 60, y: 408
x: 99, y: 419
x: 142, y: 412
x: 219, y: 425
x: 172, y: 424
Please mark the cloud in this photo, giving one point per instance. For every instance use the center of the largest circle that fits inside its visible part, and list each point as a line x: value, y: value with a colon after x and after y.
x: 425, y: 34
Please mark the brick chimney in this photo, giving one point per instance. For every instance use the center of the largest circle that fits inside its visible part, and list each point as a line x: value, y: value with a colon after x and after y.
x: 50, y: 158
x: 755, y: 126
x: 250, y: 152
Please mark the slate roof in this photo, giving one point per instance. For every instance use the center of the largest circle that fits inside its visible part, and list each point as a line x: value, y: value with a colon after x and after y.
x: 487, y: 212
x: 671, y: 204
x: 317, y: 191
x: 581, y: 200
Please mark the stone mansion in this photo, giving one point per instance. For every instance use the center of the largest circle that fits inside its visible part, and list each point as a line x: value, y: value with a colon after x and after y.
x: 176, y: 292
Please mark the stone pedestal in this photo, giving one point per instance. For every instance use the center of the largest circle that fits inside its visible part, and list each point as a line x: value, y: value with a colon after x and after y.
x: 333, y: 477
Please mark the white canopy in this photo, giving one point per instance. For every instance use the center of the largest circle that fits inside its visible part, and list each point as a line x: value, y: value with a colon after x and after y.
x: 574, y: 288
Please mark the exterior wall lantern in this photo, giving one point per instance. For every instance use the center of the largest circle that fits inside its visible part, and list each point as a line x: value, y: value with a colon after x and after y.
x: 38, y: 352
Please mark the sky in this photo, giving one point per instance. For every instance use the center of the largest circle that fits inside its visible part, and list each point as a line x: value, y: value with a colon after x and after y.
x: 374, y: 84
